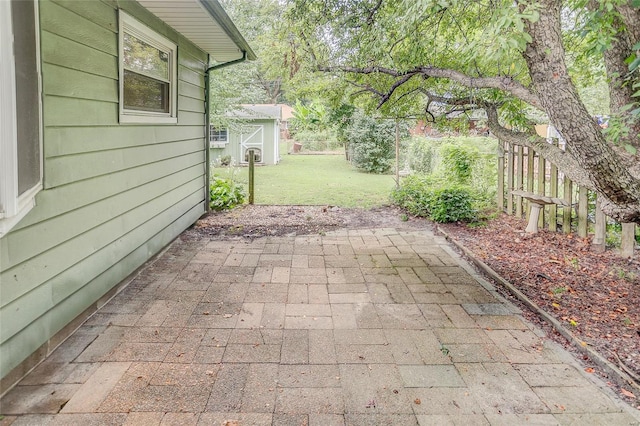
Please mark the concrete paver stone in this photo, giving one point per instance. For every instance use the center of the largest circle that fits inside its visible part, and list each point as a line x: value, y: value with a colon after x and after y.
x: 430, y: 376
x: 356, y: 327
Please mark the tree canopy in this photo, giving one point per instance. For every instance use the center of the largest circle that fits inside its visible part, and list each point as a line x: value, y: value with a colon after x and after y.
x: 257, y: 81
x: 515, y: 60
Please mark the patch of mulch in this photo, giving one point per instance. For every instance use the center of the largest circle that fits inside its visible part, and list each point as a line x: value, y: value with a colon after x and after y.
x: 595, y: 295
x: 253, y: 221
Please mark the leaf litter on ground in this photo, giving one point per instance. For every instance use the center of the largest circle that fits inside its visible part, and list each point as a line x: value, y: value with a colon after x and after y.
x: 596, y: 295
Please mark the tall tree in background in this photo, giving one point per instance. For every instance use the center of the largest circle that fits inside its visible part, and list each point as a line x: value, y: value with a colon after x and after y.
x: 278, y: 75
x: 504, y: 57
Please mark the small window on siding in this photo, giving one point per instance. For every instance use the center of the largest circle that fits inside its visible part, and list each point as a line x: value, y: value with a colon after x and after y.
x: 20, y: 122
x: 148, y: 74
x: 218, y: 136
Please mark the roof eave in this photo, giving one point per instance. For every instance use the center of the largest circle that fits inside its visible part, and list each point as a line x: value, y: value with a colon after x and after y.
x: 218, y: 13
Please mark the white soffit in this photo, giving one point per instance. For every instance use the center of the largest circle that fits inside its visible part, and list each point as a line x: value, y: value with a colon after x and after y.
x: 204, y: 23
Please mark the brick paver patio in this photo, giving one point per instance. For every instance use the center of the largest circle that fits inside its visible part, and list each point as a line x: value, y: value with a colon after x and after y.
x: 358, y: 327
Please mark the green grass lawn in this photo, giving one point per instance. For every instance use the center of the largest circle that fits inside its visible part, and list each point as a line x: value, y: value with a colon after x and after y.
x: 317, y: 180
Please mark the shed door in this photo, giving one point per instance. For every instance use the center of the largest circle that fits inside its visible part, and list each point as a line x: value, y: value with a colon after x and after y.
x: 253, y: 138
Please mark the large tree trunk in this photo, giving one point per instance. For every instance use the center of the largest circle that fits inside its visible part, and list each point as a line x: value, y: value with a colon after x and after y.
x: 604, y: 167
x: 627, y: 24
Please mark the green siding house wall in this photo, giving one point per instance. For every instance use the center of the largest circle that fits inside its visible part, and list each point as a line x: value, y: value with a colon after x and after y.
x: 114, y: 194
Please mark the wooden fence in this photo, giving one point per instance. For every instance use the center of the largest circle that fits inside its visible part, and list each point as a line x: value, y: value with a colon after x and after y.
x: 521, y: 168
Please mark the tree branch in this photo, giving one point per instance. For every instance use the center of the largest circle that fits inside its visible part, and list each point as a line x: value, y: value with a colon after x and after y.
x: 433, y: 118
x: 504, y: 83
x: 365, y: 88
x: 394, y: 86
x: 312, y: 53
x: 373, y: 12
x: 410, y: 92
x: 448, y: 101
x: 563, y: 159
x: 459, y: 110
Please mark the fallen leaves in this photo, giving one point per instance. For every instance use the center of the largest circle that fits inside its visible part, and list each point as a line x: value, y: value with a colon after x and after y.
x: 600, y: 303
x: 627, y: 393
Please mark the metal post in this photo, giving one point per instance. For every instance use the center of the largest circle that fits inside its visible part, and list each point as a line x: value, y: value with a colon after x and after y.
x: 251, y: 170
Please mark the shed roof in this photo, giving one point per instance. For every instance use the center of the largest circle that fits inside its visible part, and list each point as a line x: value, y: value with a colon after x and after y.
x: 205, y: 23
x: 266, y: 111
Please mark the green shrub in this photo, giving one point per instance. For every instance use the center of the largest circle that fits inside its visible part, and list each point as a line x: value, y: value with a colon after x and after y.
x: 452, y: 204
x: 414, y: 194
x: 484, y: 177
x: 222, y: 162
x: 226, y: 160
x: 225, y: 194
x: 371, y: 142
x: 371, y: 157
x: 421, y: 155
x: 458, y: 162
x: 340, y: 117
x: 461, y: 180
x: 433, y: 197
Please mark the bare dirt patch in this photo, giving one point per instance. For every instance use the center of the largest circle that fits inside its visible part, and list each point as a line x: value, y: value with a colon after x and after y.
x: 252, y: 221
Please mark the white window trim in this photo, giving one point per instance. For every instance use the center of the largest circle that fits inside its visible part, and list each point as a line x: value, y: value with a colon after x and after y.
x: 218, y: 144
x: 13, y: 207
x: 134, y: 27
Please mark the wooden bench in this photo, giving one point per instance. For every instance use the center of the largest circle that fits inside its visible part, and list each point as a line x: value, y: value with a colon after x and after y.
x: 537, y: 202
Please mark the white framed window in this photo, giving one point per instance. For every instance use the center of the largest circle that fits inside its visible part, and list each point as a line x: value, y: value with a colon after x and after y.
x: 218, y: 136
x: 20, y: 111
x: 148, y: 74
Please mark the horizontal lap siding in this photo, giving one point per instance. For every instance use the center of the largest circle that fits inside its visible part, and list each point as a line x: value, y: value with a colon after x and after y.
x: 65, y: 170
x: 114, y: 194
x: 68, y: 230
